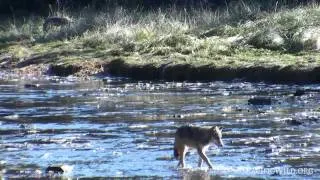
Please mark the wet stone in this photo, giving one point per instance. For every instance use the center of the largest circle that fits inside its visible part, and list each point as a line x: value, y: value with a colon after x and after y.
x: 268, y: 150
x: 299, y: 92
x: 165, y: 158
x: 54, y: 170
x: 313, y: 119
x: 31, y: 85
x: 294, y: 122
x: 178, y: 116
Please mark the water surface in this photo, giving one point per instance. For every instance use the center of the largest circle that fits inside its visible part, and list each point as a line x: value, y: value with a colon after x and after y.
x: 121, y: 128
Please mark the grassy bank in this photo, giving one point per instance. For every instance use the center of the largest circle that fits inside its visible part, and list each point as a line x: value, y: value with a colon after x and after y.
x: 237, y: 40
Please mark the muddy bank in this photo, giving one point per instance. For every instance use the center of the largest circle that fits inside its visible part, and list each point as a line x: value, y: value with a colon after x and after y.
x: 81, y: 69
x: 182, y: 72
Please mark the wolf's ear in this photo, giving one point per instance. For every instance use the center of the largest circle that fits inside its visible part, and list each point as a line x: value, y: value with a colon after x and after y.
x: 217, y: 128
x: 220, y: 128
x: 214, y: 128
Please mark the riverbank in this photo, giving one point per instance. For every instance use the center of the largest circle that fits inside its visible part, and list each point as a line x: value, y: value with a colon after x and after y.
x: 242, y: 42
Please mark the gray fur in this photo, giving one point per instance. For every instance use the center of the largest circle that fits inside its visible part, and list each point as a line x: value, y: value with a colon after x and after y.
x: 198, y: 138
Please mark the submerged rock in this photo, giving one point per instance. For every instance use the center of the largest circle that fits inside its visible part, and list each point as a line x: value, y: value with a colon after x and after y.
x: 299, y: 121
x: 299, y: 92
x: 313, y: 119
x: 54, y: 170
x: 59, y: 169
x: 178, y: 116
x: 31, y: 85
x: 260, y: 101
x: 294, y: 122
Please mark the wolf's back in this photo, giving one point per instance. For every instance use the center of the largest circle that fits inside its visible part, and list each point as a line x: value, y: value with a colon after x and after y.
x: 185, y: 132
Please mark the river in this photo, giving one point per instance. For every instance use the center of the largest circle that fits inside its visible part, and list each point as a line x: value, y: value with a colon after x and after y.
x: 115, y: 127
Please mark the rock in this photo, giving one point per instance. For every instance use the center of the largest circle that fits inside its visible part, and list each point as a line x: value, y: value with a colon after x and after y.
x: 310, y: 38
x: 165, y: 158
x: 260, y: 101
x: 178, y: 116
x: 85, y: 94
x: 5, y: 60
x: 54, y: 170
x: 268, y: 150
x: 5, y: 57
x: 235, y: 39
x: 294, y: 122
x: 299, y: 92
x: 269, y: 39
x: 313, y: 119
x: 63, y: 70
x: 31, y: 85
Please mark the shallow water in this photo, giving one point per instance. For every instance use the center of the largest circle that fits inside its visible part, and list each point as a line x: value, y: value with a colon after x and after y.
x: 119, y: 128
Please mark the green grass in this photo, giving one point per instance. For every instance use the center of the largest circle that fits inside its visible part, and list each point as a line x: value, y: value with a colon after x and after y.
x: 241, y: 35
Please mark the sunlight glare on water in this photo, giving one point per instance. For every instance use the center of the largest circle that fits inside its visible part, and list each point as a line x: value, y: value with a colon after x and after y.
x: 122, y: 128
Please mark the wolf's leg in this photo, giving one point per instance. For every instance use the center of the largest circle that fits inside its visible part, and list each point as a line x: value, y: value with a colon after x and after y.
x: 182, y: 153
x: 204, y: 157
x: 200, y: 162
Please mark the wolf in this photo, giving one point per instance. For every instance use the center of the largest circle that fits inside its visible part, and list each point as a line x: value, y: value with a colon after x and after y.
x: 55, y: 21
x: 196, y: 137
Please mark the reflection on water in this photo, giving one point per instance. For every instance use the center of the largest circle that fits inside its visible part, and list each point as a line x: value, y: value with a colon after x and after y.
x: 120, y: 128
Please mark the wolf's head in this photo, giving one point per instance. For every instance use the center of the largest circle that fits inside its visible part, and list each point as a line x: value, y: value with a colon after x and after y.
x: 217, y: 135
